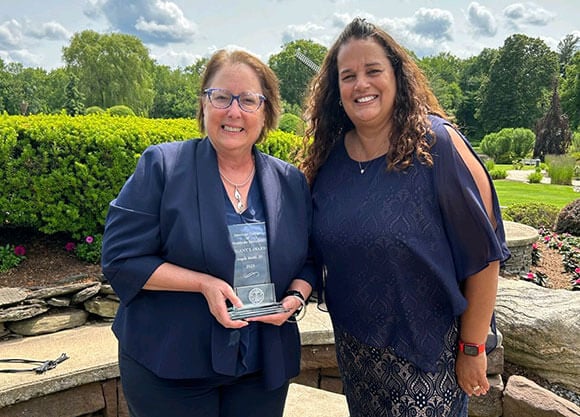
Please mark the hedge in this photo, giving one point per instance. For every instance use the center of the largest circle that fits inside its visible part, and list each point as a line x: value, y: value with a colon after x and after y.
x: 58, y: 173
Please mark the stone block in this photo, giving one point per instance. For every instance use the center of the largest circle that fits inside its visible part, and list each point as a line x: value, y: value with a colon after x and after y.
x: 331, y: 384
x: 318, y: 356
x: 73, y: 402
x: 495, y: 361
x: 523, y: 397
x: 308, y: 377
x: 490, y: 404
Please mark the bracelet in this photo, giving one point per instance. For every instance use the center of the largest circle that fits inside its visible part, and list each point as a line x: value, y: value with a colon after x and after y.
x: 296, y: 316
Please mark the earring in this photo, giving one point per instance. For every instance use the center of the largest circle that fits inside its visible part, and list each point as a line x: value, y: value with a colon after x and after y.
x: 340, y: 103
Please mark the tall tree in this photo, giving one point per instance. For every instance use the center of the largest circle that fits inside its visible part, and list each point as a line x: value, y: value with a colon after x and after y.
x: 294, y: 75
x: 517, y: 91
x: 74, y: 104
x: 566, y: 49
x: 177, y: 91
x: 443, y: 72
x: 474, y: 74
x: 570, y: 91
x: 112, y: 69
x: 553, y: 135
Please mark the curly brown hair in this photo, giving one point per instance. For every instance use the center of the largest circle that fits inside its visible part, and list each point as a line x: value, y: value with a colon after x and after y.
x: 268, y: 80
x: 414, y: 101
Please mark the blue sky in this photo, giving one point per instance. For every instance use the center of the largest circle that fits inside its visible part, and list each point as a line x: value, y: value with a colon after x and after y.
x: 177, y: 32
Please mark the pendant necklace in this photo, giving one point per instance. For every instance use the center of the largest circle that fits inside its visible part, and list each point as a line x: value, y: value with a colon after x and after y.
x: 237, y: 195
x: 363, y: 167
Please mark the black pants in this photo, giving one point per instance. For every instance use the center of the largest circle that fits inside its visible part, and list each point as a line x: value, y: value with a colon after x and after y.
x: 148, y: 395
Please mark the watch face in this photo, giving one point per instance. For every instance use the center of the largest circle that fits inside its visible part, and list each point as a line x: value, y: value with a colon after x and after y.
x: 470, y: 350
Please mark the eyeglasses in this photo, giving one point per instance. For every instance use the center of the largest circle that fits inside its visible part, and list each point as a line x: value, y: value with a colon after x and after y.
x: 222, y: 99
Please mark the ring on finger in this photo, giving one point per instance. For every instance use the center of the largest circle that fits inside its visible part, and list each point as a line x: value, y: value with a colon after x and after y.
x: 476, y: 388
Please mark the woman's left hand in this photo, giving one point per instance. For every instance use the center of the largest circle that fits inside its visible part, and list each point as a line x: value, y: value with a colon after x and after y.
x: 472, y: 373
x: 289, y: 303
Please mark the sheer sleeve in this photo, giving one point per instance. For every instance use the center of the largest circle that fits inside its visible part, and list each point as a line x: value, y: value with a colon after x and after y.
x: 474, y: 241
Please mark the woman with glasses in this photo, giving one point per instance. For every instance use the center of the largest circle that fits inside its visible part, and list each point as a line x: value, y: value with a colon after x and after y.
x: 194, y: 221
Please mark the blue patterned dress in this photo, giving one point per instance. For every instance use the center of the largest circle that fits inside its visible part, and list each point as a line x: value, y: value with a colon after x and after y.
x: 396, y: 247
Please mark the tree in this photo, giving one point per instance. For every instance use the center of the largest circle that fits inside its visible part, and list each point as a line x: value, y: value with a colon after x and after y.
x: 177, y: 91
x: 74, y: 104
x: 516, y: 93
x: 570, y: 92
x: 474, y: 74
x: 566, y: 49
x: 112, y: 69
x: 553, y: 135
x: 294, y: 75
x: 443, y: 72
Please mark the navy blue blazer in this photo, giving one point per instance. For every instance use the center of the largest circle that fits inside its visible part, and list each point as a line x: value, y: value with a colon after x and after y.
x: 171, y: 209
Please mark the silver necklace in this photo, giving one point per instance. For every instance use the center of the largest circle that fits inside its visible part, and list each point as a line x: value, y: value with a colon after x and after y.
x: 363, y: 167
x: 237, y: 195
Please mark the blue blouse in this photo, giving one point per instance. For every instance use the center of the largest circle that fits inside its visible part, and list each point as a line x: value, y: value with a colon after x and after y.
x: 249, y: 352
x: 397, y: 246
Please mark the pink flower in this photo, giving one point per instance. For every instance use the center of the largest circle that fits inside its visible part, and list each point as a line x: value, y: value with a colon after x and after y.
x: 547, y: 238
x: 530, y: 275
x: 534, y: 246
x: 70, y: 246
x: 19, y: 251
x: 577, y: 270
x: 89, y: 239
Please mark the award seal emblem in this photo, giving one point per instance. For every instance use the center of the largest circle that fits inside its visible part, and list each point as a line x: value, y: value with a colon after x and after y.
x: 256, y: 296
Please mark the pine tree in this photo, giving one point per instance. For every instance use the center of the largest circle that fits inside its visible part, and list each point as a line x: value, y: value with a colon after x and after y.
x: 553, y: 135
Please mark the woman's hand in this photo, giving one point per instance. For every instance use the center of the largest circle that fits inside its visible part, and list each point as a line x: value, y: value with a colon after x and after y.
x: 216, y: 293
x: 472, y: 373
x: 289, y: 303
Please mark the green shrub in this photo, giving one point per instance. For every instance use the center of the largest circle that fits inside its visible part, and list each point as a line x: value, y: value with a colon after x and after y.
x: 498, y: 174
x: 508, y: 144
x: 535, y: 177
x: 489, y: 164
x: 11, y: 256
x: 568, y: 220
x: 94, y: 110
x: 89, y: 250
x: 290, y: 123
x: 120, y: 110
x: 560, y: 169
x: 536, y: 215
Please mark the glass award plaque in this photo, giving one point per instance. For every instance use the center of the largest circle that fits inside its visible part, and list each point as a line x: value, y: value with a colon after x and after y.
x: 252, y: 272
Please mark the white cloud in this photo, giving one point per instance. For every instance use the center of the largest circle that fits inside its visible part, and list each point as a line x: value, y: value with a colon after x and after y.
x: 482, y: 20
x: 436, y: 24
x: 10, y: 34
x: 154, y: 21
x: 52, y: 31
x: 306, y: 31
x: 529, y: 14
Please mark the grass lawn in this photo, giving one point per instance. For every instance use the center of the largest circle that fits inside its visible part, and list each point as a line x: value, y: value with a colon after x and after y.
x: 511, y: 192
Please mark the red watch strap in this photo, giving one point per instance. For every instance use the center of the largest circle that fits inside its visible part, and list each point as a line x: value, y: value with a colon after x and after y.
x: 480, y: 348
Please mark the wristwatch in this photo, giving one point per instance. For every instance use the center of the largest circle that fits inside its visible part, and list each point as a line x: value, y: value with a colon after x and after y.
x: 471, y: 349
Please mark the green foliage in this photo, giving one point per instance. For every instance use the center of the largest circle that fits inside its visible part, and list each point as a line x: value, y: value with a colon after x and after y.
x: 94, y: 110
x: 74, y: 104
x: 176, y: 91
x: 533, y: 214
x: 58, y: 173
x: 568, y: 220
x: 120, y: 110
x: 295, y: 76
x: 443, y: 73
x: 290, y: 123
x: 282, y: 145
x: 535, y: 177
x: 560, y: 169
x: 89, y: 250
x: 516, y: 92
x: 498, y: 174
x: 489, y: 164
x: 11, y: 256
x: 508, y: 144
x: 570, y: 91
x: 112, y: 68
